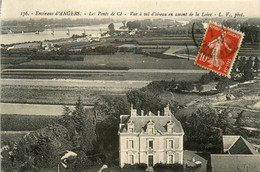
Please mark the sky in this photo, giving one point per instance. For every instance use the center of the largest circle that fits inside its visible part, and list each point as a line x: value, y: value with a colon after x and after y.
x: 13, y: 8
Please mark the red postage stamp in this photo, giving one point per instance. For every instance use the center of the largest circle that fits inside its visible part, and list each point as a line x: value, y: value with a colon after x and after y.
x: 219, y: 49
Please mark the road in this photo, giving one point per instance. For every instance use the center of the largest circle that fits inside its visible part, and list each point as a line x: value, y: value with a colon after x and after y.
x: 108, y: 71
x: 74, y: 83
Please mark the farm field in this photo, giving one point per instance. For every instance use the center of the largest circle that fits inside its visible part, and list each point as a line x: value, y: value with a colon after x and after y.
x: 11, y: 136
x: 54, y: 95
x: 115, y: 75
x: 33, y: 109
x: 109, y: 67
x: 127, y: 60
x: 63, y: 91
x: 26, y: 122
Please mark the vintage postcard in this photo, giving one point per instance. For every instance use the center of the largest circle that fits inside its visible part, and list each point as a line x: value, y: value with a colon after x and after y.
x: 130, y: 85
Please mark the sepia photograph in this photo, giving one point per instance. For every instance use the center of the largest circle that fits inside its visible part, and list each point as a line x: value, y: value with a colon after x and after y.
x: 130, y: 86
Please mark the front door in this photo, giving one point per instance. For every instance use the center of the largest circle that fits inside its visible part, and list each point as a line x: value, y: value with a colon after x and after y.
x: 150, y: 160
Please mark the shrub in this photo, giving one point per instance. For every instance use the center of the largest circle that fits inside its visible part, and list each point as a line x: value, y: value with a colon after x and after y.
x: 199, y: 87
x: 135, y: 167
x: 185, y: 86
x: 160, y: 167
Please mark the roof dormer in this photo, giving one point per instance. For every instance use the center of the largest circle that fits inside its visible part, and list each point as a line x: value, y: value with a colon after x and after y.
x: 150, y: 127
x: 130, y: 126
x: 170, y: 126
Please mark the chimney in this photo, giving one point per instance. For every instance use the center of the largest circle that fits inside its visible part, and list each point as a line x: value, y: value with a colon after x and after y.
x: 158, y: 113
x: 149, y: 113
x: 167, y: 111
x: 142, y: 112
x: 133, y: 111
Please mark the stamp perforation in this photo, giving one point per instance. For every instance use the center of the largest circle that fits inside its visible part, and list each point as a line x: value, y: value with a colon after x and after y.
x: 233, y: 53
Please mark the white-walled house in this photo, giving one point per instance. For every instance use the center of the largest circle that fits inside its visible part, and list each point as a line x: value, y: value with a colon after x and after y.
x: 150, y: 138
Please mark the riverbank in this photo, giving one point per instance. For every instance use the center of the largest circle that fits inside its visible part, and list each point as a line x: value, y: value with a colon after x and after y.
x: 54, y: 33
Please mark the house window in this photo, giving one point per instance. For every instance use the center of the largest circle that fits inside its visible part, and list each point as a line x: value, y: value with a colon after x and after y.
x: 171, y: 159
x: 170, y: 145
x: 130, y: 126
x: 150, y: 130
x: 131, y: 130
x: 131, y: 159
x: 170, y: 127
x: 130, y: 144
x: 150, y: 160
x: 150, y: 144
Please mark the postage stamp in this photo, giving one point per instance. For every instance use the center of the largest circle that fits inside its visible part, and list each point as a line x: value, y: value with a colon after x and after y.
x: 219, y: 49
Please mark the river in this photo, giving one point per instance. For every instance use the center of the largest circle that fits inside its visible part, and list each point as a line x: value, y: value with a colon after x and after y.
x: 58, y: 33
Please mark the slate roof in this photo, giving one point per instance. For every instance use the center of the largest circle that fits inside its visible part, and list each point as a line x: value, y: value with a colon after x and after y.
x: 160, y: 123
x: 250, y: 146
x: 228, y: 141
x: 237, y: 145
x: 238, y: 162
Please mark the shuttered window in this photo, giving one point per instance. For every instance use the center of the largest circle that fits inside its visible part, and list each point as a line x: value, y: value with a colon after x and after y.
x: 171, y: 159
x: 130, y: 144
x: 170, y: 144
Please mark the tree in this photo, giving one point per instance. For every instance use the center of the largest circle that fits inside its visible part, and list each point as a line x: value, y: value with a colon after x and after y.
x: 185, y: 86
x: 248, y: 71
x: 145, y: 100
x: 204, y: 129
x: 65, y: 118
x: 234, y: 69
x: 199, y: 87
x: 107, y: 106
x: 248, y: 75
x: 67, y: 121
x: 223, y: 121
x: 45, y: 154
x: 241, y: 64
x: 249, y: 63
x: 222, y: 84
x: 82, y: 162
x: 133, y: 25
x: 78, y: 116
x: 231, y: 23
x: 195, y: 26
x: 240, y: 119
x: 111, y: 28
x: 85, y: 124
x: 38, y: 151
x: 256, y: 64
x: 205, y: 79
